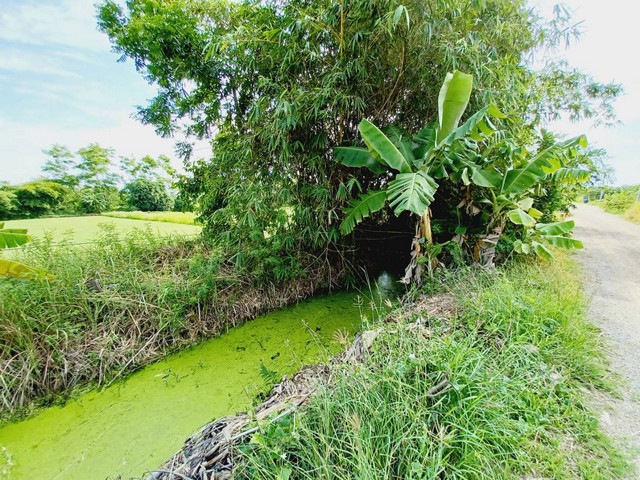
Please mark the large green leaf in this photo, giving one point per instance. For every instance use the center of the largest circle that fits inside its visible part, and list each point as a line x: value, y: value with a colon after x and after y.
x: 452, y: 102
x: 362, y: 207
x: 486, y: 178
x: 359, y: 157
x: 476, y: 126
x: 520, y: 217
x: 556, y: 228
x: 541, y: 250
x: 563, y: 242
x: 402, y: 140
x: 412, y: 192
x: 379, y: 143
x: 11, y: 238
x: 548, y: 161
x: 9, y: 268
x: 570, y: 175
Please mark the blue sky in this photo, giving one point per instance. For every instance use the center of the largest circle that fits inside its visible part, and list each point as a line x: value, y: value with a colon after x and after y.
x: 60, y: 83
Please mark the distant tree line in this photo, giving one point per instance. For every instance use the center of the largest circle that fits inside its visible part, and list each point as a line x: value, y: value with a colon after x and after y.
x: 91, y: 181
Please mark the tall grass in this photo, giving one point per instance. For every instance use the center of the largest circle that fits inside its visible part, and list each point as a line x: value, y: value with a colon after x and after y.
x: 185, y: 218
x: 494, y: 393
x: 633, y: 213
x: 113, y: 306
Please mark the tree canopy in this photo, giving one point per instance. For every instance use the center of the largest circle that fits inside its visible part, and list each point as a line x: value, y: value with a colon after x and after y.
x: 276, y: 85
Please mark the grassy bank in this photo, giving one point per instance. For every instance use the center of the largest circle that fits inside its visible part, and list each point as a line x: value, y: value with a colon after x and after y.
x: 115, y: 305
x: 633, y: 213
x: 496, y: 391
x: 185, y: 218
x: 89, y: 228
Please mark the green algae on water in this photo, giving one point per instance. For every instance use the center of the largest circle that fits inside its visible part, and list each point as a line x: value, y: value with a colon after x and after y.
x: 136, y: 424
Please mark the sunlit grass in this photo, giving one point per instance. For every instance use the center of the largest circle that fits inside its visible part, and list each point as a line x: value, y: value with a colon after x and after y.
x: 87, y: 229
x: 186, y: 218
x: 496, y: 392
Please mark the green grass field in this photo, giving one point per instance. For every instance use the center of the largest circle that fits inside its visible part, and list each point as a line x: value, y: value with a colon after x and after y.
x: 86, y: 229
x: 187, y: 218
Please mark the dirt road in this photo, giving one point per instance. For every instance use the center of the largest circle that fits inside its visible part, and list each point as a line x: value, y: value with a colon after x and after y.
x: 612, y: 267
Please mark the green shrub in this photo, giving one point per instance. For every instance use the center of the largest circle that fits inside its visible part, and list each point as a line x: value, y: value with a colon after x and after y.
x: 38, y: 198
x: 7, y: 204
x: 96, y: 318
x: 619, y: 202
x: 148, y: 195
x: 496, y: 392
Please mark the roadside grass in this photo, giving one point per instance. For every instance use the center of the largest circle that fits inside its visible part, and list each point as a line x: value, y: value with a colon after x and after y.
x: 88, y: 228
x: 185, y: 218
x: 496, y: 391
x: 633, y: 213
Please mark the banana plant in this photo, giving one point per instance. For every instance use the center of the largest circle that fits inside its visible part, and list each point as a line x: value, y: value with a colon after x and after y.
x: 510, y: 190
x: 417, y: 162
x: 12, y: 238
x: 551, y: 233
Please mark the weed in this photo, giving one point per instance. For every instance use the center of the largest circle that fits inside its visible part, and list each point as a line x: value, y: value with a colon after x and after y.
x: 495, y: 392
x: 185, y: 218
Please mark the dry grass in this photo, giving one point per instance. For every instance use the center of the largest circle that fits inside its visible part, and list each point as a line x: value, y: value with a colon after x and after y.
x: 633, y: 213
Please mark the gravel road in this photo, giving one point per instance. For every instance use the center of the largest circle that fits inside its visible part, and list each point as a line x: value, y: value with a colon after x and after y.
x: 611, y: 258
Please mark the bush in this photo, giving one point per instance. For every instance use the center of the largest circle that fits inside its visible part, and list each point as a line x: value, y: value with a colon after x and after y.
x: 7, y: 204
x: 99, y: 199
x: 38, y: 198
x: 619, y: 202
x: 148, y: 196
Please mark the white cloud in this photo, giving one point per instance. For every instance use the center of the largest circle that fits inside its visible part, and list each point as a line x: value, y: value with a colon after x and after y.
x: 17, y: 60
x: 62, y: 22
x: 22, y: 145
x: 607, y: 50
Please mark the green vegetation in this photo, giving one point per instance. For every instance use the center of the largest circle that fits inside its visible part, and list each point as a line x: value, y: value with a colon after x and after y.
x: 109, y: 299
x: 13, y: 238
x: 496, y: 391
x: 623, y: 201
x: 82, y: 230
x: 282, y: 84
x: 185, y: 218
x: 633, y: 213
x: 219, y: 377
x: 444, y: 153
x: 87, y: 183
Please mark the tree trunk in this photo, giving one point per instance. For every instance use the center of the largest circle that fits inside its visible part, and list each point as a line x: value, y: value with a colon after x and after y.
x: 485, y: 250
x: 413, y: 272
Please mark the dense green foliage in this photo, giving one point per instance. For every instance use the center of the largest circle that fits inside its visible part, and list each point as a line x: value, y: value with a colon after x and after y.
x: 496, y: 391
x: 148, y: 195
x: 88, y: 182
x: 277, y: 85
x: 621, y: 199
